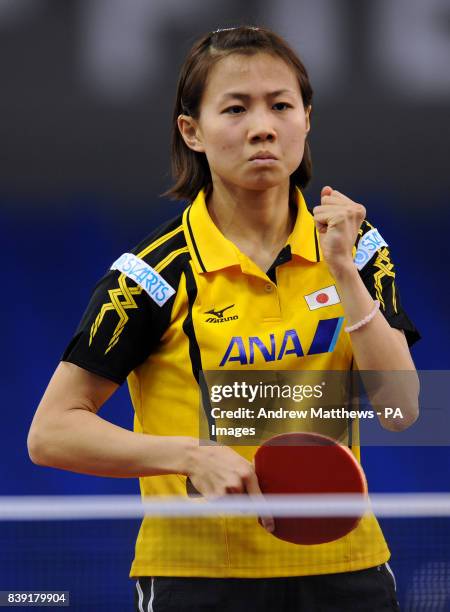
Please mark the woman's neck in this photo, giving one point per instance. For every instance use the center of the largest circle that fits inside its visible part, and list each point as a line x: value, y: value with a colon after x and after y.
x: 257, y: 222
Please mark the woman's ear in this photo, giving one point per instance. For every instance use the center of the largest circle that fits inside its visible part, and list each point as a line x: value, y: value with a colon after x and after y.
x: 308, y: 117
x: 190, y: 132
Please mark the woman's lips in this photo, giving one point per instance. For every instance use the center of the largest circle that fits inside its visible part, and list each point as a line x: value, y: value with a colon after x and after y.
x: 261, y: 160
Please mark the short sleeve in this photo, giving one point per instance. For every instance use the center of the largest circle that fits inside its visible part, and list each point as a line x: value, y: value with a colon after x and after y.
x: 377, y: 270
x: 131, y: 306
x: 119, y: 329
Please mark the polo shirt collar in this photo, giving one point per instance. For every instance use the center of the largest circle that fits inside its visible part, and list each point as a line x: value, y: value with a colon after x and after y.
x: 304, y: 240
x: 211, y: 250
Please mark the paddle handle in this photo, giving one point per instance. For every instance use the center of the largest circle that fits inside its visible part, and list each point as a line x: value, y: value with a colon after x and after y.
x: 191, y: 490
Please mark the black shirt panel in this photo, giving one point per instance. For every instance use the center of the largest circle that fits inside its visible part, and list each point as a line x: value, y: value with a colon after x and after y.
x: 379, y: 276
x: 122, y: 324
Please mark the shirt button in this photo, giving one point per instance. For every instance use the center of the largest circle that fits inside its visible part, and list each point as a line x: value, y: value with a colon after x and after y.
x: 268, y: 288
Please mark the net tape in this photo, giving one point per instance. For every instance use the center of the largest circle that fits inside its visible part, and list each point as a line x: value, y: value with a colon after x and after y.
x: 383, y: 505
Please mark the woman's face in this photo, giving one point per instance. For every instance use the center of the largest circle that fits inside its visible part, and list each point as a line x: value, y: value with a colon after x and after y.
x: 251, y: 104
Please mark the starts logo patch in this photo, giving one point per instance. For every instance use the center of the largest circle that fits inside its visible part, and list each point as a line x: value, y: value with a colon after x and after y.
x: 368, y: 245
x: 145, y: 276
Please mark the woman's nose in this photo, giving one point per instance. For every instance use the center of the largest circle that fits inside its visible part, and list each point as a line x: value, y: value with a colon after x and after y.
x: 262, y: 133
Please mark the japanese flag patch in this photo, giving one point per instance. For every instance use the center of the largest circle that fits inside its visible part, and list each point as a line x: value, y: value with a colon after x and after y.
x: 323, y: 297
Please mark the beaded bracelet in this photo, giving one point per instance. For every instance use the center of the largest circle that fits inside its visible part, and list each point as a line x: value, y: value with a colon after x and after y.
x: 369, y: 317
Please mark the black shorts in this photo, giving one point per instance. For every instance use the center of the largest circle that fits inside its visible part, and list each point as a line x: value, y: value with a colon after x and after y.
x: 368, y: 590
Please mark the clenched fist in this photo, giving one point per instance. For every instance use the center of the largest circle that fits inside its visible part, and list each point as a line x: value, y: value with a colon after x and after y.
x: 337, y: 220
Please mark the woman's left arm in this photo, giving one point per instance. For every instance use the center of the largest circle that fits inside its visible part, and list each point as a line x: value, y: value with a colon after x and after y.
x: 376, y: 345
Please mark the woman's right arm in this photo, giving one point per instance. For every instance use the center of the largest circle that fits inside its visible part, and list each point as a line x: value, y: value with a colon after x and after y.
x: 67, y: 433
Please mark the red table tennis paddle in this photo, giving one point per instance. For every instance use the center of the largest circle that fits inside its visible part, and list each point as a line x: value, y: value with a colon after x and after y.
x: 308, y: 463
x: 296, y: 463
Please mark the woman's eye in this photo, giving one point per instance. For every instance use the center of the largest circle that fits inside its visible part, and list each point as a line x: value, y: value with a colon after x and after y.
x: 234, y: 110
x: 285, y: 104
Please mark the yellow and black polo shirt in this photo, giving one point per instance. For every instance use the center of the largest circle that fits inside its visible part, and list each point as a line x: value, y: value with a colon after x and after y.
x: 186, y: 300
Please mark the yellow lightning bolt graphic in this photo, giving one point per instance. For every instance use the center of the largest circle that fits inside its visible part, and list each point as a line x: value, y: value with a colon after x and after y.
x: 122, y: 300
x: 120, y: 306
x: 385, y: 268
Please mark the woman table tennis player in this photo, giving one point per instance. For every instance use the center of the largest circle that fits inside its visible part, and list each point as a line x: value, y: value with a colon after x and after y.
x: 245, y: 260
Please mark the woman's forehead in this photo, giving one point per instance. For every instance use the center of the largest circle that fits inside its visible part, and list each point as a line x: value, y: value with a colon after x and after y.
x: 261, y: 73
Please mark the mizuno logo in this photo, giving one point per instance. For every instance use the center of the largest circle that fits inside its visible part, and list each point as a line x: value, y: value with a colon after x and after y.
x: 218, y: 315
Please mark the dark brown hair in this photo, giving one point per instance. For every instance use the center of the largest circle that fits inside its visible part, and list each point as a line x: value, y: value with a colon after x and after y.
x: 190, y: 168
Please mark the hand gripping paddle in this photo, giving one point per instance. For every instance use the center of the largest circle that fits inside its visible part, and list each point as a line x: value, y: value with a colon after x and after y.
x: 296, y: 463
x: 308, y: 463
